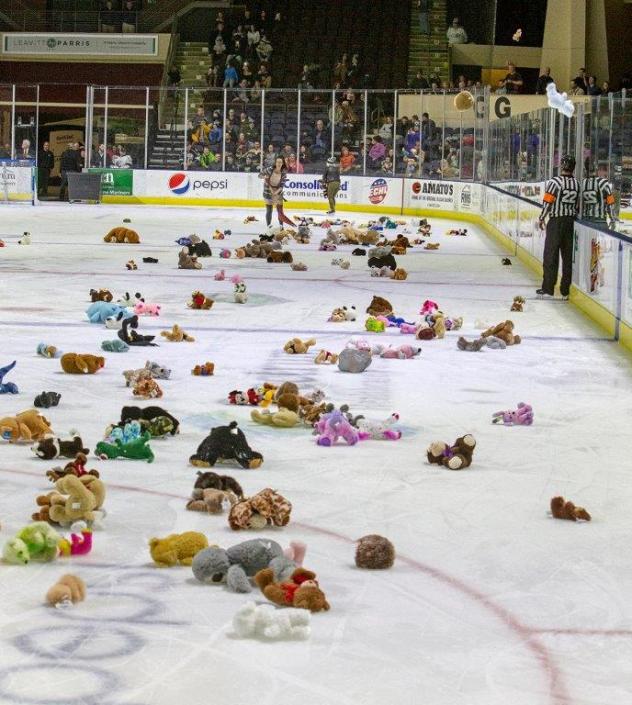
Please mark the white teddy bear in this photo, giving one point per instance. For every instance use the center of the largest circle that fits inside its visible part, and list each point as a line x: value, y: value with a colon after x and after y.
x: 266, y: 622
x: 559, y: 101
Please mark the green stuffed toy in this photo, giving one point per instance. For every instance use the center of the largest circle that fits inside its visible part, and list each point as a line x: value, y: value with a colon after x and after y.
x: 115, y: 345
x: 374, y: 325
x: 35, y: 542
x: 158, y: 426
x: 134, y: 450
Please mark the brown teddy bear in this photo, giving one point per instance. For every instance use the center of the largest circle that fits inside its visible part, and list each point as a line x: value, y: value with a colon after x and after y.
x: 379, y: 307
x: 147, y: 389
x: 177, y: 335
x: 188, y: 261
x: 74, y: 499
x: 50, y: 447
x: 200, y: 301
x: 211, y: 501
x: 205, y: 370
x: 455, y: 457
x: 122, y: 235
x: 101, y: 295
x: 504, y: 331
x: 76, y: 363
x: 300, y: 591
x: 278, y: 257
x: 518, y: 304
x: 400, y: 274
x: 28, y: 425
x: 266, y: 508
x: 296, y: 346
x: 177, y: 548
x: 69, y: 588
x: 368, y: 237
x: 75, y: 467
x: 561, y: 509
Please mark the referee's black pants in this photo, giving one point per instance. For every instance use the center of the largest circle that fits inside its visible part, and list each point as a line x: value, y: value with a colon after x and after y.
x: 559, y: 241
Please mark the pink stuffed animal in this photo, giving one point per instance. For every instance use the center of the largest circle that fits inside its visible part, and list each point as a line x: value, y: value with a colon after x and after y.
x: 148, y: 309
x: 522, y: 416
x: 220, y: 276
x: 379, y: 430
x: 363, y: 344
x: 295, y: 552
x: 225, y: 254
x: 428, y: 307
x: 408, y: 328
x: 332, y: 426
x: 403, y: 352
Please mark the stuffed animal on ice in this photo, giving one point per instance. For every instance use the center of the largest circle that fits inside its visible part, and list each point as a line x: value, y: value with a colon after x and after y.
x: 211, y: 480
x: 325, y: 357
x: 130, y: 336
x: 100, y: 295
x: 296, y: 346
x: 45, y: 350
x: 504, y: 331
x: 99, y: 311
x: 121, y: 235
x: 403, y: 352
x: 379, y: 430
x: 188, y: 261
x: 28, y: 425
x: 200, y: 302
x: 562, y: 509
x: 455, y: 457
x: 240, y: 293
x: 266, y: 508
x: 333, y: 426
x: 518, y: 303
x: 144, y: 309
x: 177, y: 549
x: 379, y: 307
x: 50, y: 448
x: 559, y: 101
x: 74, y: 499
x: 7, y: 387
x: 283, y: 418
x: 177, y: 335
x: 147, y: 389
x: 374, y: 325
x: 522, y: 416
x: 226, y: 443
x: 134, y: 450
x: 149, y: 415
x: 265, y: 622
x: 35, y: 542
x: 77, y: 364
x: 76, y: 467
x: 301, y: 590
x: 381, y: 257
x: 68, y: 590
x: 343, y: 313
x: 235, y: 566
x: 210, y: 501
x: 374, y: 552
x: 116, y: 346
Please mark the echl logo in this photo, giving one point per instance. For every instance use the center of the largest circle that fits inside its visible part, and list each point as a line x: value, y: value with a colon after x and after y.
x: 378, y: 191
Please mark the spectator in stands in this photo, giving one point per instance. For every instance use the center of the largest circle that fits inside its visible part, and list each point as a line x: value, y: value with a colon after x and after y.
x: 347, y: 160
x: 387, y: 164
x: 128, y: 17
x: 253, y: 37
x: 348, y: 120
x: 45, y: 163
x: 320, y: 141
x: 255, y: 151
x: 265, y: 79
x: 230, y: 75
x: 5, y: 151
x: 386, y: 130
x: 213, y: 76
x: 543, y: 81
x: 270, y: 157
x: 174, y: 76
x: 513, y: 81
x: 243, y: 94
x: 264, y: 48
x: 306, y: 80
x: 424, y: 7
x: 293, y: 165
x: 581, y: 80
x: 428, y: 127
x: 605, y: 88
x: 199, y: 117
x: 239, y: 35
x: 122, y: 160
x: 303, y: 154
x: 69, y: 162
x: 108, y: 17
x: 353, y: 71
x: 25, y: 152
x: 592, y: 88
x: 200, y: 132
x: 340, y: 71
x: 413, y: 137
x: 215, y: 135
x: 246, y: 73
x: 576, y: 88
x: 218, y: 48
x: 376, y: 153
x: 420, y: 83
x: 207, y: 158
x: 456, y: 34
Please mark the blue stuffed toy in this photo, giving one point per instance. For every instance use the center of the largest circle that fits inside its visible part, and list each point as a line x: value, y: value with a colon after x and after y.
x: 130, y: 432
x: 100, y: 310
x: 184, y: 242
x: 7, y: 387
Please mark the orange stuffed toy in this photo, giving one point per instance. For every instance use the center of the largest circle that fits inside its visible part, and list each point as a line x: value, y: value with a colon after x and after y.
x: 122, y: 235
x: 561, y: 509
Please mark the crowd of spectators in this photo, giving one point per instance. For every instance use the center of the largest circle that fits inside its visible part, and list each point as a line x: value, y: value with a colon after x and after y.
x: 118, y: 16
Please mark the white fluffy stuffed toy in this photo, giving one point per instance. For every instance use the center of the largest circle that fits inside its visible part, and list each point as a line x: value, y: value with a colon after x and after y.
x: 559, y: 101
x: 266, y: 622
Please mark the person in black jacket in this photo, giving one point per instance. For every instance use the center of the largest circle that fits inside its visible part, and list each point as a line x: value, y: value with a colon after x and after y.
x: 70, y: 161
x: 331, y: 183
x: 45, y: 163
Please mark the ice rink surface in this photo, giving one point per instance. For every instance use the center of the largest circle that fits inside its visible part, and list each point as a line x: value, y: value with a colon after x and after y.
x: 490, y: 602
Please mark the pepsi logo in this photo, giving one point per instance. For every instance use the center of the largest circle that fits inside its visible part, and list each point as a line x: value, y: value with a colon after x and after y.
x: 179, y: 183
x: 378, y: 191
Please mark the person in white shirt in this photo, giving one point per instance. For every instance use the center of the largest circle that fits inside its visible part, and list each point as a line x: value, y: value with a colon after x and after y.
x: 456, y: 33
x: 253, y: 36
x: 122, y: 160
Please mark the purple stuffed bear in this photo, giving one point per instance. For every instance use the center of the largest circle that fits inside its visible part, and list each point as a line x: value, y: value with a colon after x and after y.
x: 332, y: 426
x: 522, y: 416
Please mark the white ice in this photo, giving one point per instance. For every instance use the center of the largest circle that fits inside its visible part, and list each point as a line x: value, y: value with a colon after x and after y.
x: 490, y: 602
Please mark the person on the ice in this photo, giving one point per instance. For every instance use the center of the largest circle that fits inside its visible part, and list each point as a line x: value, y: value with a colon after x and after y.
x: 274, y: 179
x: 331, y: 183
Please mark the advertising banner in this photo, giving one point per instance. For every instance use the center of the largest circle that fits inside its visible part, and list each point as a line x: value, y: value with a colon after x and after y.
x: 115, y: 182
x: 15, y: 183
x: 202, y: 185
x: 424, y: 194
x: 307, y: 187
x: 60, y: 44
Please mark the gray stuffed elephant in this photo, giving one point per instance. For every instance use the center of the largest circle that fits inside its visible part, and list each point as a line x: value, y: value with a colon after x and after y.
x: 237, y: 564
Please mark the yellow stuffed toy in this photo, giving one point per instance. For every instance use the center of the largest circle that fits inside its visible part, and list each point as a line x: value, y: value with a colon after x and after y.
x: 177, y: 335
x: 177, y: 548
x: 28, y: 425
x: 74, y: 499
x: 296, y: 346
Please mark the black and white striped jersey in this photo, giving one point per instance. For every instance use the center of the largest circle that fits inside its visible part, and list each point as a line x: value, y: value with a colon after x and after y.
x: 597, y: 198
x: 561, y: 197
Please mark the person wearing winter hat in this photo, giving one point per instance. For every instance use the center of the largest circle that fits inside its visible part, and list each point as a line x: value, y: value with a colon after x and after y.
x: 331, y: 183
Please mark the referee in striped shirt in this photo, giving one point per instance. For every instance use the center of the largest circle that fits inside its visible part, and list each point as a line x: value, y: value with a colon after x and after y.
x: 561, y: 202
x: 597, y: 198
